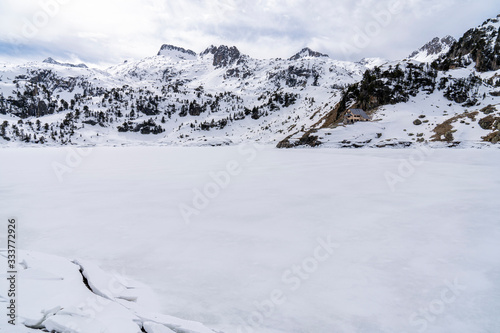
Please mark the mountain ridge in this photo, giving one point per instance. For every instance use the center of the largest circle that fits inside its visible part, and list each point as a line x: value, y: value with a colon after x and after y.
x: 467, y: 74
x: 50, y: 60
x: 433, y: 49
x: 306, y: 52
x: 169, y: 50
x: 222, y: 96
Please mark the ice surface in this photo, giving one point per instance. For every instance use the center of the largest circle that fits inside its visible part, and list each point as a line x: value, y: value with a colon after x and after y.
x: 413, y: 237
x: 156, y: 328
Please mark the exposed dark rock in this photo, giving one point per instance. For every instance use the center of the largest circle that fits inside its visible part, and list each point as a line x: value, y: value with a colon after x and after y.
x: 488, y: 109
x: 489, y: 122
x: 403, y: 144
x: 223, y: 55
x: 444, y: 131
x: 448, y: 136
x: 349, y: 144
x: 480, y: 45
x: 285, y: 143
x: 90, y: 122
x: 307, y: 139
x: 492, y: 137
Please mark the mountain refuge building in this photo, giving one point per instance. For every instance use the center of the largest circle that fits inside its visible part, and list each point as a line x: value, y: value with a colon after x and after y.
x: 355, y: 115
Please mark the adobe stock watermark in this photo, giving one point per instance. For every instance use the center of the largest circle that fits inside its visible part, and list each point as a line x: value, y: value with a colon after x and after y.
x: 428, y: 314
x: 407, y: 167
x: 292, y: 279
x: 73, y: 159
x: 220, y: 180
x: 42, y: 17
x: 364, y: 34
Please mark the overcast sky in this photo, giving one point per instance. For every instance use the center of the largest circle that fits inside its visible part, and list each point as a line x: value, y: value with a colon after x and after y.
x: 103, y: 32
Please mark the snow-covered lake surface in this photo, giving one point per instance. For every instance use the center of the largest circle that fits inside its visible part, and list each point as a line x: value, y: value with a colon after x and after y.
x: 289, y: 241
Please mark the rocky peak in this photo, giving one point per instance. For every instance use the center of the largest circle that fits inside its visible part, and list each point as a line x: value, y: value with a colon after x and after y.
x: 223, y: 55
x: 50, y: 60
x: 433, y: 49
x: 307, y: 52
x: 179, y: 52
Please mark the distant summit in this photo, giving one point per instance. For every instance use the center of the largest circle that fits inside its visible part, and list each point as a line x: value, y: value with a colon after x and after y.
x: 433, y: 49
x: 54, y: 62
x: 172, y: 51
x: 307, y: 52
x: 223, y: 55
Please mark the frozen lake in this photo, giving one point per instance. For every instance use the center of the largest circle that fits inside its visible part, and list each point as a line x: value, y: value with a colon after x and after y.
x: 286, y: 241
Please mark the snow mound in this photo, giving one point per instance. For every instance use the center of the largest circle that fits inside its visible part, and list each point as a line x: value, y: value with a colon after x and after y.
x: 60, y: 295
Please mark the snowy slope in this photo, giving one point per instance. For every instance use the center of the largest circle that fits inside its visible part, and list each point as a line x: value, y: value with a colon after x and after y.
x: 419, y: 120
x: 433, y: 49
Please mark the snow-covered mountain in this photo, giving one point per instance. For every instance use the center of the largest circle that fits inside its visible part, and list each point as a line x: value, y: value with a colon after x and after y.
x: 453, y: 100
x: 49, y: 60
x: 220, y: 96
x: 433, y: 49
x: 175, y: 52
x: 223, y: 96
x: 307, y: 52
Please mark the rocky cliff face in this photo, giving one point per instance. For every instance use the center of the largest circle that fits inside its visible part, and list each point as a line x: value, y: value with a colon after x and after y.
x: 223, y: 55
x: 480, y: 45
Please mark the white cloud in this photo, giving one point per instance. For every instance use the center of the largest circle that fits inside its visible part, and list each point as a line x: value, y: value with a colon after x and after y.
x: 113, y: 30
